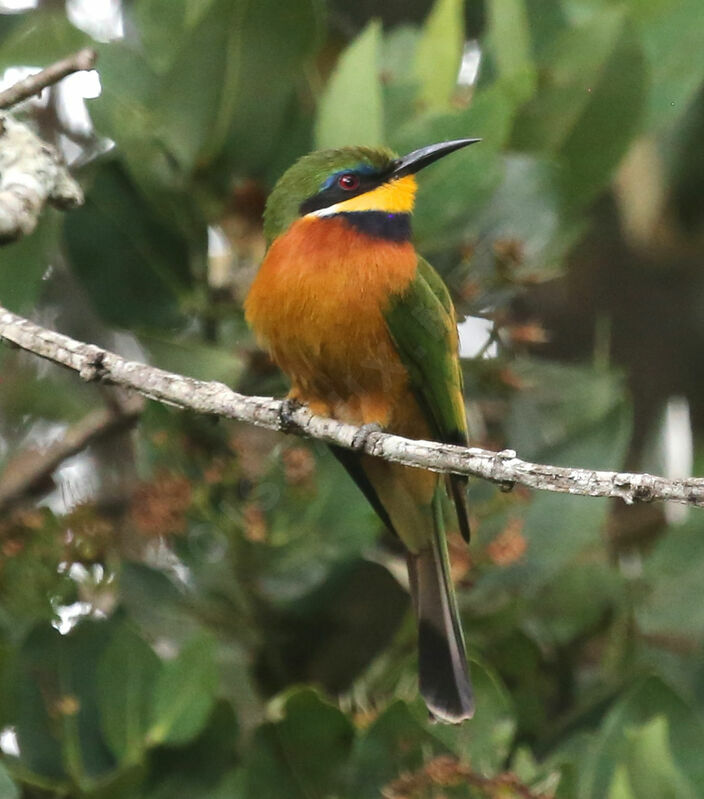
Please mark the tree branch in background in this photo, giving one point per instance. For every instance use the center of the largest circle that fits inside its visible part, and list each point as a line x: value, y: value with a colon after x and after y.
x: 29, y: 87
x: 94, y: 363
x: 31, y: 174
x: 30, y: 469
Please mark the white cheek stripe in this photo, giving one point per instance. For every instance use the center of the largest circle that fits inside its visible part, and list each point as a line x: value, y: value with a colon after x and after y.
x: 329, y: 211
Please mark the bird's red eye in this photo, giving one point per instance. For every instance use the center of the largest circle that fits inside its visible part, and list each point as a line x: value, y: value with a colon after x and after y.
x: 348, y: 181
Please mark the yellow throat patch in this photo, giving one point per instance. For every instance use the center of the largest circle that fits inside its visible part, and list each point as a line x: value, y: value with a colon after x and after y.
x: 395, y: 197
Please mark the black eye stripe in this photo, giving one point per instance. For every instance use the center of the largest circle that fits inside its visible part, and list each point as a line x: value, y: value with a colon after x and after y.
x: 335, y: 194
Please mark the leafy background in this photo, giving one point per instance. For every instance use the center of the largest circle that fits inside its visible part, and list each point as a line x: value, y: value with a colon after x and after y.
x: 209, y: 610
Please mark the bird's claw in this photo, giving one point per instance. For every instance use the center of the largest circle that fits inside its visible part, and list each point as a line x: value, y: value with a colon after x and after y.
x: 287, y: 423
x: 359, y: 442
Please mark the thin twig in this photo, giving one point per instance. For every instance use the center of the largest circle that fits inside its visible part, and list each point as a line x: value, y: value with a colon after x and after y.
x: 28, y: 470
x: 94, y: 363
x: 29, y: 87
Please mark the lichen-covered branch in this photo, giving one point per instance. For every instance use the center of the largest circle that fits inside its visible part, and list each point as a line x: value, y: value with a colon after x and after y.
x: 32, y: 85
x: 31, y: 174
x: 95, y: 363
x: 29, y: 469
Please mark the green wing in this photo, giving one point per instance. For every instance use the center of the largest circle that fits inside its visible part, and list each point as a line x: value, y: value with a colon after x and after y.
x: 422, y: 324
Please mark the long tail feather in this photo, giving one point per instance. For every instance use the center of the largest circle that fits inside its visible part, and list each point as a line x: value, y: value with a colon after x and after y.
x: 442, y: 661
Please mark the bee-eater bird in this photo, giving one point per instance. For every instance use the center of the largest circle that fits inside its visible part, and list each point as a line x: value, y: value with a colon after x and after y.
x: 365, y: 329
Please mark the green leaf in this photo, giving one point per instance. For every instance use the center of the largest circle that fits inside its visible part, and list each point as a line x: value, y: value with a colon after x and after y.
x: 675, y: 71
x: 135, y: 267
x: 302, y: 756
x: 24, y: 263
x: 510, y: 43
x: 647, y: 700
x: 620, y: 787
x: 651, y: 767
x: 608, y: 124
x: 8, y: 789
x: 396, y: 742
x: 127, y: 673
x: 486, y: 741
x: 194, y: 358
x: 202, y: 769
x: 350, y: 110
x: 162, y: 24
x: 236, y: 54
x: 526, y: 207
x: 571, y: 417
x: 34, y: 687
x: 453, y: 192
x: 589, y: 105
x: 40, y: 39
x: 439, y: 53
x: 124, y: 111
x: 184, y: 694
x: 56, y: 716
x: 672, y: 575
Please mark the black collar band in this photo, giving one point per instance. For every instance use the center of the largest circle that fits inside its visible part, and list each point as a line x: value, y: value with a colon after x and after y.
x: 378, y: 224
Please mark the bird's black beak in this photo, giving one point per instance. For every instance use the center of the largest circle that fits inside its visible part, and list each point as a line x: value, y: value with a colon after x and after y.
x: 419, y: 159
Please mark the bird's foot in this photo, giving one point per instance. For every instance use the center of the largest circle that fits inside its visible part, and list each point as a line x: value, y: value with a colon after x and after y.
x: 361, y: 437
x: 289, y: 406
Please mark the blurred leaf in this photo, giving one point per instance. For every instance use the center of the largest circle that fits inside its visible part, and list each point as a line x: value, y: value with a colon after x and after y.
x: 162, y: 24
x: 127, y: 673
x: 589, y: 104
x: 309, y: 537
x: 439, y: 53
x: 184, y: 694
x: 485, y: 741
x: 194, y: 358
x: 575, y: 600
x: 25, y: 262
x: 276, y: 42
x: 203, y: 768
x: 671, y: 35
x: 454, y: 190
x: 394, y: 743
x: 566, y: 418
x: 35, y: 679
x: 399, y: 85
x: 40, y: 39
x: 154, y: 602
x: 510, y: 43
x: 350, y: 110
x: 302, y: 756
x: 56, y: 712
x: 325, y: 637
x: 620, y: 787
x: 124, y: 111
x: 525, y: 209
x: 645, y: 701
x: 559, y: 402
x: 134, y: 267
x: 546, y: 20
x: 672, y: 572
x: 8, y: 789
x: 236, y: 53
x: 651, y: 767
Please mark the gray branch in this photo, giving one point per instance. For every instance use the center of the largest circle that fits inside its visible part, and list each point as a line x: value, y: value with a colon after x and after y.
x: 96, y: 364
x: 28, y: 470
x: 31, y: 174
x: 32, y: 85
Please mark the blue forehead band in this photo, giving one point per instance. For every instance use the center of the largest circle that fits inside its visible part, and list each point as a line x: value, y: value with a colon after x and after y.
x: 360, y: 169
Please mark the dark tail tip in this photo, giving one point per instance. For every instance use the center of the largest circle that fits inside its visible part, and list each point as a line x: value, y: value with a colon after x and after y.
x: 444, y: 677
